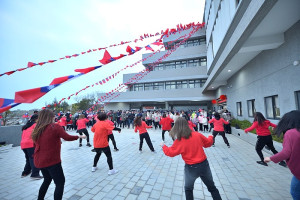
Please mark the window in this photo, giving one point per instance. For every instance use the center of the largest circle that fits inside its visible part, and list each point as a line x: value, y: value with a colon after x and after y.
x: 148, y: 86
x: 203, y: 62
x: 194, y: 63
x: 272, y: 107
x: 158, y: 86
x: 297, y: 94
x: 202, y: 41
x: 239, y: 108
x: 251, y: 107
x: 170, y: 85
x: 181, y: 84
x: 138, y: 87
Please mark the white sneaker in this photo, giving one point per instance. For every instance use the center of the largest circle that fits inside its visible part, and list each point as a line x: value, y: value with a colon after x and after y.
x: 113, y: 171
x: 94, y: 169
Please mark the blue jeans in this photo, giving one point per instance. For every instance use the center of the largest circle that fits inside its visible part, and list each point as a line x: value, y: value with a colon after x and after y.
x: 295, y: 188
x: 202, y: 170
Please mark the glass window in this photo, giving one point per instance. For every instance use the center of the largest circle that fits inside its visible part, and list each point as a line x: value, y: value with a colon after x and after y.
x: 202, y: 82
x: 191, y: 84
x: 172, y: 65
x: 196, y: 42
x: 197, y: 84
x: 170, y: 85
x: 203, y: 62
x: 297, y: 94
x: 184, y: 84
x: 239, y: 108
x: 148, y: 86
x: 251, y: 107
x: 272, y: 107
x: 158, y: 86
x: 202, y: 40
x: 190, y: 63
x: 138, y: 87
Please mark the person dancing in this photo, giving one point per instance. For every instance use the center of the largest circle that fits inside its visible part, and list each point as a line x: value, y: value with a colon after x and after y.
x: 166, y: 125
x: 81, y: 128
x: 141, y: 126
x: 190, y: 145
x: 218, y: 124
x: 263, y: 136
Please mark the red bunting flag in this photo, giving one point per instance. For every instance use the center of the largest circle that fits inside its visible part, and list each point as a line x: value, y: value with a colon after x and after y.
x: 106, y: 58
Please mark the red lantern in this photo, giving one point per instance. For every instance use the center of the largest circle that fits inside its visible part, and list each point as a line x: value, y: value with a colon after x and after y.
x: 223, y: 97
x: 214, y: 101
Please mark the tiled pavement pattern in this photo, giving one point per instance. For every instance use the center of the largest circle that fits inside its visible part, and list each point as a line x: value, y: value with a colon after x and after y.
x: 148, y: 175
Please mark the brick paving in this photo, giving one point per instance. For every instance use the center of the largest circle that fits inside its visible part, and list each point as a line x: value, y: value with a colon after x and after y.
x: 147, y: 175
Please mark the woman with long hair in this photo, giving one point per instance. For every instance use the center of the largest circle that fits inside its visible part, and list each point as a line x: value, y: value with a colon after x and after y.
x: 141, y: 126
x: 27, y: 146
x: 218, y: 124
x: 46, y: 136
x: 289, y: 125
x: 263, y: 136
x: 190, y: 145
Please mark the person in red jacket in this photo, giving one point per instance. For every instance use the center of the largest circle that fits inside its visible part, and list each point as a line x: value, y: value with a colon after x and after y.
x: 81, y: 128
x: 218, y: 124
x: 166, y: 125
x: 101, y: 129
x: 289, y: 126
x: 63, y: 121
x: 111, y: 135
x: 27, y: 146
x: 263, y: 136
x: 189, y: 144
x: 141, y: 126
x: 47, y: 138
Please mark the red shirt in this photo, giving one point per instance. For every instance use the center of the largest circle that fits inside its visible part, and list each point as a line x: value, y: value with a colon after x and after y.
x: 290, y: 152
x: 166, y: 123
x: 101, y: 130
x: 63, y: 121
x: 142, y: 128
x: 112, y: 124
x: 191, y: 149
x: 191, y: 125
x: 81, y: 123
x: 26, y: 141
x: 218, y: 124
x: 47, y: 147
x: 261, y: 130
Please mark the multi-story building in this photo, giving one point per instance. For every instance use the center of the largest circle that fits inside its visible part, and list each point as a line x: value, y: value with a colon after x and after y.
x: 248, y: 51
x: 253, y: 53
x: 175, y: 83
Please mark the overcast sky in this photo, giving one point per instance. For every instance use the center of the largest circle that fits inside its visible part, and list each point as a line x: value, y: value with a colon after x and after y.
x: 40, y: 30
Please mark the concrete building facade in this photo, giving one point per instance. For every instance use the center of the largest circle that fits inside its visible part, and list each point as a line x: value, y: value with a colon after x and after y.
x: 253, y: 53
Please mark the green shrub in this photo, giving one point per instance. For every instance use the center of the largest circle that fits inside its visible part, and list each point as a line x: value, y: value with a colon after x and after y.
x: 243, y: 124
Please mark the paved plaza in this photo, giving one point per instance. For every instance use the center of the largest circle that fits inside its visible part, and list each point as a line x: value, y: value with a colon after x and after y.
x: 148, y: 175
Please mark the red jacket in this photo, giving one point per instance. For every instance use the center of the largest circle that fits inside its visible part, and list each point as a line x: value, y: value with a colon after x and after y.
x: 166, y: 123
x: 218, y: 124
x: 261, y: 130
x: 47, y: 147
x: 101, y: 130
x: 81, y: 123
x: 26, y: 141
x: 112, y: 124
x: 63, y: 121
x: 191, y: 125
x: 191, y: 149
x: 143, y: 128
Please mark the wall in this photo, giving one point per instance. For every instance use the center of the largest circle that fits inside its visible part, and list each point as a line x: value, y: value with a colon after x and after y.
x: 11, y: 135
x: 270, y: 73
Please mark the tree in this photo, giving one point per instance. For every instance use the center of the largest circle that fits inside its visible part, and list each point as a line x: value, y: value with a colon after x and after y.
x: 85, y: 104
x: 7, y: 116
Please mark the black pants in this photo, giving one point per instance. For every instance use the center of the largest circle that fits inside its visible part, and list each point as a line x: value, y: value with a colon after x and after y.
x: 211, y: 126
x: 56, y: 173
x: 156, y: 124
x: 29, y: 166
x: 107, y: 152
x: 202, y: 170
x: 147, y: 138
x: 260, y: 144
x: 80, y: 131
x: 112, y: 138
x: 222, y: 133
x: 205, y: 128
x: 163, y: 134
x: 227, y: 128
x: 200, y: 127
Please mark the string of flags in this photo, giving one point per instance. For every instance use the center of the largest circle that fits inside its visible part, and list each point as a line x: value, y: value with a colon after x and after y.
x: 131, y: 51
x: 165, y: 33
x: 29, y: 96
x: 116, y: 91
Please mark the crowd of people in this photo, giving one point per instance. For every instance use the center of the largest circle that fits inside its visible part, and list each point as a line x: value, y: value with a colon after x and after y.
x: 41, y: 141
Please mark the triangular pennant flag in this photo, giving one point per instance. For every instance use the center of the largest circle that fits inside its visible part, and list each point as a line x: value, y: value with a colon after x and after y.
x: 130, y: 50
x: 149, y: 48
x: 31, y: 95
x: 30, y: 64
x: 87, y: 70
x: 106, y: 58
x: 5, y: 102
x: 61, y: 80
